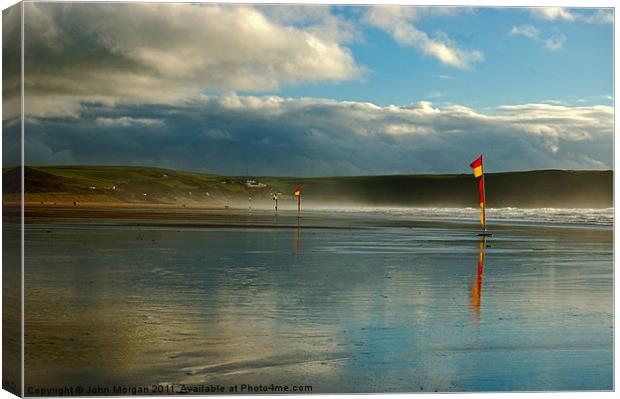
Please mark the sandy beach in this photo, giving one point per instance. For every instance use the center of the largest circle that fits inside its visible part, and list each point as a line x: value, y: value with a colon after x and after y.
x: 340, y: 302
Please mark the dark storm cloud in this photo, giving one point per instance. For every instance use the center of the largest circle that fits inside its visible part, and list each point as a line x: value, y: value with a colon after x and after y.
x: 277, y: 136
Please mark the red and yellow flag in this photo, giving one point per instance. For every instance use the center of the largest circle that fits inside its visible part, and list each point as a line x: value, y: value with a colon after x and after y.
x: 478, y: 172
x: 297, y: 192
x: 477, y: 166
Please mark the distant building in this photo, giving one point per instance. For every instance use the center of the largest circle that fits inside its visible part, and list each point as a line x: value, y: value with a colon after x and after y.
x: 254, y: 184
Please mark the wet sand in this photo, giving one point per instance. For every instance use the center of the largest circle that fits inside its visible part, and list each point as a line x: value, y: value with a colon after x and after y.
x: 345, y: 303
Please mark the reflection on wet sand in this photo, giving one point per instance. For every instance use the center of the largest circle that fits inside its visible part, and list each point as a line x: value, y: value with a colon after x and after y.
x: 381, y: 309
x: 476, y: 286
x: 297, y: 238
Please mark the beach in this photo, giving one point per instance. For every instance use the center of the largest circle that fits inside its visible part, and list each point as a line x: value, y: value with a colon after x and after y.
x: 336, y: 301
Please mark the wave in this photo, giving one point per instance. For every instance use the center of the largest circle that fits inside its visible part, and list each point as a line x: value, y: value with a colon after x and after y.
x: 545, y: 215
x: 590, y: 216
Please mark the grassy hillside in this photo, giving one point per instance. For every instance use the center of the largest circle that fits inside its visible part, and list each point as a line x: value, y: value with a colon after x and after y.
x: 123, y: 184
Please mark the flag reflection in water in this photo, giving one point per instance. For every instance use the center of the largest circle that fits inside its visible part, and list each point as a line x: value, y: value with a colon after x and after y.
x: 476, y: 286
x: 297, y: 239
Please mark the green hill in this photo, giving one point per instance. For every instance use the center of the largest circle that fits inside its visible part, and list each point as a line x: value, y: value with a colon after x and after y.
x: 124, y: 184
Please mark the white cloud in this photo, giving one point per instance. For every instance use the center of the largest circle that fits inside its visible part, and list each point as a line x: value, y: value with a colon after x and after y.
x: 126, y: 121
x: 317, y: 19
x: 600, y: 16
x: 553, y: 13
x: 525, y: 30
x: 552, y: 123
x: 168, y: 52
x: 555, y: 41
x: 400, y: 23
x: 603, y: 16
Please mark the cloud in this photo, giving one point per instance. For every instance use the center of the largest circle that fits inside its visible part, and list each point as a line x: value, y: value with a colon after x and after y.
x: 434, y: 94
x: 271, y: 135
x: 399, y: 22
x: 555, y: 41
x: 603, y: 16
x: 554, y: 13
x: 44, y: 154
x: 217, y: 134
x: 317, y: 19
x: 525, y: 30
x: 599, y: 16
x: 126, y: 121
x: 156, y: 53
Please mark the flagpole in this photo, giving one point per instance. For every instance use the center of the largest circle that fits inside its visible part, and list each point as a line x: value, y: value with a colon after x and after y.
x: 484, y: 200
x: 484, y: 204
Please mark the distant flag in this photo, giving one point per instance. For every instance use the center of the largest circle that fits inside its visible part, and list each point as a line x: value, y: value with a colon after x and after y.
x: 479, y: 172
x: 297, y: 194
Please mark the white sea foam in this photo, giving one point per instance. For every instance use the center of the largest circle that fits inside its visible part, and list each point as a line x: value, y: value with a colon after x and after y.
x: 592, y: 216
x: 548, y: 215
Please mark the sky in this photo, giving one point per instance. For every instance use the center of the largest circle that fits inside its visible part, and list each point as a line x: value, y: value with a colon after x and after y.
x: 302, y: 90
